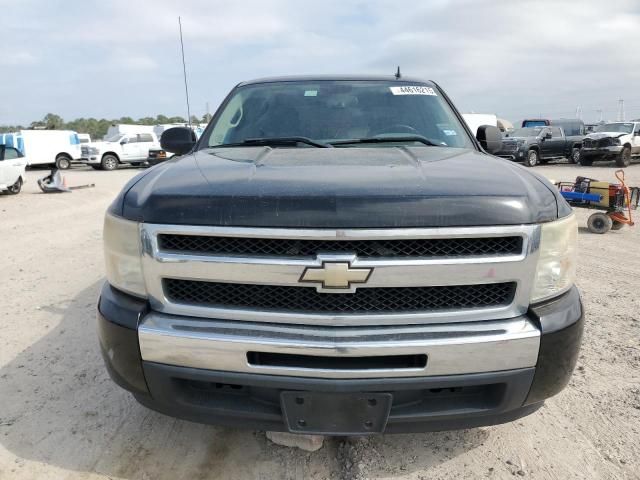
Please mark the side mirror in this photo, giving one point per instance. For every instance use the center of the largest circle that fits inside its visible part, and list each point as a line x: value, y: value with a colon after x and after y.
x: 548, y: 135
x: 122, y: 142
x: 178, y: 140
x: 490, y: 138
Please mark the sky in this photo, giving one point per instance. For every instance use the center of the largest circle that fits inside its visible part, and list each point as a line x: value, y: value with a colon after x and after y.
x: 514, y: 58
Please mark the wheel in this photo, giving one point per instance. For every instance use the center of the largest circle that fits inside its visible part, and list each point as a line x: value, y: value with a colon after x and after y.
x: 109, y: 162
x: 532, y: 158
x: 599, y: 223
x: 96, y: 167
x: 617, y: 225
x: 585, y: 161
x: 624, y: 160
x: 63, y: 162
x: 16, y: 187
x: 575, y: 156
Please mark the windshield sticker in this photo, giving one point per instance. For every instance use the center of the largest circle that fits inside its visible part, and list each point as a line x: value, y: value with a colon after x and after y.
x: 449, y: 133
x: 311, y: 93
x: 413, y: 90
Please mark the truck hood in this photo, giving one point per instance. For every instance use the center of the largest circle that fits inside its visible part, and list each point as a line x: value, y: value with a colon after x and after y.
x: 103, y: 145
x: 599, y: 135
x: 515, y: 139
x: 339, y: 188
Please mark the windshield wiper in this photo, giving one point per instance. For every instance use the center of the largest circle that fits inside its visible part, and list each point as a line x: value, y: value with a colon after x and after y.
x: 400, y: 139
x: 275, y: 141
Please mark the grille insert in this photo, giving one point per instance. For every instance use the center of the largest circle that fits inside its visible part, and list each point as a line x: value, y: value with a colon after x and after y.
x: 363, y: 301
x: 431, y: 247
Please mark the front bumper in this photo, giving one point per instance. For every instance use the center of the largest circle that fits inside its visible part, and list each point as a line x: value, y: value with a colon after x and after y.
x: 490, y: 373
x: 602, y: 153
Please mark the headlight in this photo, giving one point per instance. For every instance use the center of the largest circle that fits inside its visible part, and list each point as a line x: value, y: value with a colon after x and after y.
x: 94, y: 150
x: 614, y: 141
x: 556, y: 269
x: 122, y: 255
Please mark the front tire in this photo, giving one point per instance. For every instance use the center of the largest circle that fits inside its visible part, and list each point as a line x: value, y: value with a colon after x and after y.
x: 599, y: 223
x: 109, y: 162
x: 624, y: 160
x: 63, y: 162
x: 16, y: 187
x: 585, y: 161
x: 575, y: 156
x: 532, y: 158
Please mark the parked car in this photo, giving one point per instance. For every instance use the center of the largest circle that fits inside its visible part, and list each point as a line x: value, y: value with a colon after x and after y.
x: 45, y: 147
x: 619, y: 141
x: 158, y: 155
x: 339, y: 255
x: 534, y: 145
x: 12, y: 169
x: 573, y: 128
x: 120, y: 149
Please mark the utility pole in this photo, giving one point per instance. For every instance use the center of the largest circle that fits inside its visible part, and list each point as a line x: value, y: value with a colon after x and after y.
x: 579, y: 112
x: 599, y: 111
x: 621, y: 110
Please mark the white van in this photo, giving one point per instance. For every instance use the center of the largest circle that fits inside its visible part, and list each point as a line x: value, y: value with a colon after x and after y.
x: 476, y: 120
x: 45, y: 147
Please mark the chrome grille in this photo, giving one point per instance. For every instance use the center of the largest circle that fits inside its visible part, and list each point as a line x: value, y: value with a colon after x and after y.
x: 426, y: 247
x: 417, y: 275
x: 509, y: 146
x: 365, y: 300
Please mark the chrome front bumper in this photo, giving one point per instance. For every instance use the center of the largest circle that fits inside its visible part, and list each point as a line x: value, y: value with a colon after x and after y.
x: 451, y: 349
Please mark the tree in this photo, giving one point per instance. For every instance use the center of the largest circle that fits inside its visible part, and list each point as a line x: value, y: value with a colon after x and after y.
x: 53, y: 121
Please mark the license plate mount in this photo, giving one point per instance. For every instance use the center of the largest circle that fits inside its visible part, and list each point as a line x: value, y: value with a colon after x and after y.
x: 336, y: 413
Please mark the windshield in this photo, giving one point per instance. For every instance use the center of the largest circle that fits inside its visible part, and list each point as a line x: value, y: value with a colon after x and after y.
x: 615, y: 127
x: 332, y: 111
x: 525, y: 132
x: 114, y: 138
x: 534, y: 123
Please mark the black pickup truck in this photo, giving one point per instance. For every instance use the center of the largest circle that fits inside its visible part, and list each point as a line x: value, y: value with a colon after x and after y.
x: 339, y: 255
x: 535, y: 145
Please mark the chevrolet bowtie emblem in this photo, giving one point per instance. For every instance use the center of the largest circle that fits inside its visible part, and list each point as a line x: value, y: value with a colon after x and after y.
x: 336, y: 275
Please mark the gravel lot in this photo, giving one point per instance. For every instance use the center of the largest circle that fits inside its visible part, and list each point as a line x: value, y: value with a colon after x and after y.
x: 61, y: 417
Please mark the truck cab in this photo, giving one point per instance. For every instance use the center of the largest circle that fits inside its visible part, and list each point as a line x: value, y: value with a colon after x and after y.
x: 340, y: 255
x: 121, y: 148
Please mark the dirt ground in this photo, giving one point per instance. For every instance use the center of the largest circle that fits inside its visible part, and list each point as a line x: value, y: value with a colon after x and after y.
x: 61, y: 417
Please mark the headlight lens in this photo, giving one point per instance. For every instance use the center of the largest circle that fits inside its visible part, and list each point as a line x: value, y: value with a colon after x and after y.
x: 556, y: 270
x: 614, y: 141
x: 122, y: 255
x: 94, y: 150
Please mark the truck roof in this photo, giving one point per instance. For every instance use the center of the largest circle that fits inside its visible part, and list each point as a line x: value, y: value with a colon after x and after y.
x: 320, y: 78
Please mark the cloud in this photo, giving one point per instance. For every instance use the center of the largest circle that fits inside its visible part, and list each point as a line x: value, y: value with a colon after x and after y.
x: 514, y: 58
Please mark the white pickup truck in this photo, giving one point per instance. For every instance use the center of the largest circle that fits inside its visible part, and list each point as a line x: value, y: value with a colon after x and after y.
x: 132, y: 148
x: 12, y: 167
